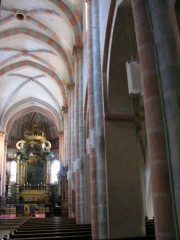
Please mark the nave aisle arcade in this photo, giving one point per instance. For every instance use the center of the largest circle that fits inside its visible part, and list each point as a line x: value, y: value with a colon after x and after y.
x: 90, y: 112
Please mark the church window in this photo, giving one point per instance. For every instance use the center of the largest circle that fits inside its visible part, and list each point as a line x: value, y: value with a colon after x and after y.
x: 13, y: 171
x: 55, y: 166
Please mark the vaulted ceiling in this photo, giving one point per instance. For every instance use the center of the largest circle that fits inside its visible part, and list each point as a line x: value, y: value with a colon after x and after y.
x: 36, y: 57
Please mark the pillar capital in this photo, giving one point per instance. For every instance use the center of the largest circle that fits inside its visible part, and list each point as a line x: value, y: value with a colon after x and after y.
x: 65, y: 108
x: 2, y: 133
x: 61, y: 133
x: 77, y: 51
x: 70, y: 85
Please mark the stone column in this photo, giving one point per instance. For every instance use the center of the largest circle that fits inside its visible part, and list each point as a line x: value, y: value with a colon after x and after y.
x: 68, y: 139
x: 61, y: 146
x: 79, y: 54
x: 66, y: 193
x: 61, y: 157
x: 70, y: 87
x: 17, y: 176
x: 76, y: 140
x: 2, y: 174
x: 4, y: 169
x: 78, y: 51
x: 65, y: 111
x: 72, y: 152
x: 92, y: 152
x: 99, y: 124
x: 167, y: 46
x: 160, y: 179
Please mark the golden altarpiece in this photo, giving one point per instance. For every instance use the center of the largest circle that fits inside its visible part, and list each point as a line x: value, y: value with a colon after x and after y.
x: 32, y: 189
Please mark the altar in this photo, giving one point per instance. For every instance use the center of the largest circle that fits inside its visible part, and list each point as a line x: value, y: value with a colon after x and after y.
x: 30, y: 210
x: 34, y: 195
x: 33, y: 185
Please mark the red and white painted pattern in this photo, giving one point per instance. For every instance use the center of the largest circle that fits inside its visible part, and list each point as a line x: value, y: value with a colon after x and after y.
x: 42, y: 42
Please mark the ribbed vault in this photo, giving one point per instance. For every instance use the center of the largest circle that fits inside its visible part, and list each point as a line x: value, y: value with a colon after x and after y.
x: 36, y: 58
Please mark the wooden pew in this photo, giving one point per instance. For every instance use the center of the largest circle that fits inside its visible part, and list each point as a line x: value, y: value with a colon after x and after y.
x: 150, y: 229
x: 51, y: 228
x: 76, y: 237
x: 26, y: 230
x: 49, y: 234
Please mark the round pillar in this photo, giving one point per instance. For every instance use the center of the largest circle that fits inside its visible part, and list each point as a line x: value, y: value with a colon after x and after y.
x: 167, y: 46
x: 92, y: 151
x: 160, y: 179
x: 70, y: 88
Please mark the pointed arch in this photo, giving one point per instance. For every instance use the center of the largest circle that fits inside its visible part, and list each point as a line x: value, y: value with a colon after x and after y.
x: 19, y: 109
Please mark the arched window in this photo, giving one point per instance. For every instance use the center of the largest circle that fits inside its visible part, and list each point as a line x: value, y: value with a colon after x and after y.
x: 55, y: 166
x: 13, y: 172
